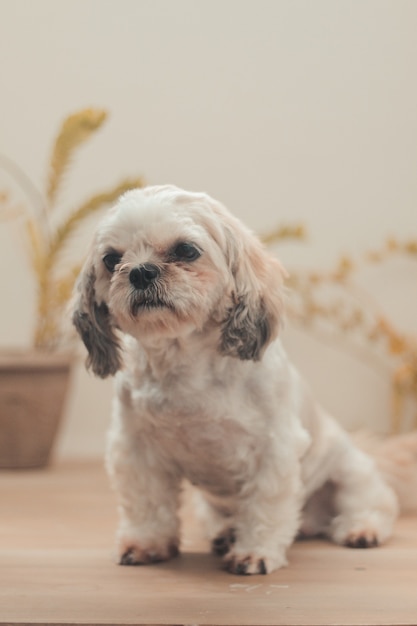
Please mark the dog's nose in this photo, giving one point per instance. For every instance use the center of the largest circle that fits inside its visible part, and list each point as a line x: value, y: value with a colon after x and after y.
x: 141, y: 277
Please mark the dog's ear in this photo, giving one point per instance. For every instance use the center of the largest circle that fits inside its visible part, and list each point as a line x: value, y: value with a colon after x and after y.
x: 254, y: 317
x: 93, y: 322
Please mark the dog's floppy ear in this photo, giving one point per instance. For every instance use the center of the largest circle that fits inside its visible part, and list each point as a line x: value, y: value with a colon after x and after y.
x: 254, y: 317
x: 93, y: 323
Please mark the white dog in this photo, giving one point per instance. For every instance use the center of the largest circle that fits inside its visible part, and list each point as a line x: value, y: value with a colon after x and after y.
x: 183, y: 302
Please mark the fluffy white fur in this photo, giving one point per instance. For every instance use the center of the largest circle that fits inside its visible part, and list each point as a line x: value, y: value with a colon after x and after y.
x: 188, y: 315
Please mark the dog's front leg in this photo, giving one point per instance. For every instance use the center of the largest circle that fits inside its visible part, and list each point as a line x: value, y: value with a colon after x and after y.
x: 266, y: 523
x: 148, y: 494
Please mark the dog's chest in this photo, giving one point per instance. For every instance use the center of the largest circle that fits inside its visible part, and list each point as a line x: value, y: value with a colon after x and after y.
x: 210, y: 433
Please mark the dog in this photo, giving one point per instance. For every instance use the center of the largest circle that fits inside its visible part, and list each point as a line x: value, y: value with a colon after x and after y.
x: 182, y: 303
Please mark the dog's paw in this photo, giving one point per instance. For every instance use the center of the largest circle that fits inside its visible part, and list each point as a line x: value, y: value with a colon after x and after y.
x: 361, y: 533
x: 223, y: 542
x: 133, y: 553
x: 362, y: 539
x: 251, y: 564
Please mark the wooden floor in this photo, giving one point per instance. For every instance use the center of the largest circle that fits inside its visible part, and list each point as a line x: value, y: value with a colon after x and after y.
x: 57, y: 567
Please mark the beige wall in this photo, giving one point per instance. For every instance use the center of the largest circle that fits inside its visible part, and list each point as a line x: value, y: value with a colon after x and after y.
x: 287, y: 111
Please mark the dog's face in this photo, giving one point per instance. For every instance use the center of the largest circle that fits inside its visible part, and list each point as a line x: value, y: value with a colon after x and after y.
x: 165, y: 263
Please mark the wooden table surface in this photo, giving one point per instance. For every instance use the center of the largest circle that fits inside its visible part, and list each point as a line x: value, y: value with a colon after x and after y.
x: 57, y: 567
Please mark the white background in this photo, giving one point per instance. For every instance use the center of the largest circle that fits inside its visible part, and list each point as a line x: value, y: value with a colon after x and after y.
x: 287, y: 111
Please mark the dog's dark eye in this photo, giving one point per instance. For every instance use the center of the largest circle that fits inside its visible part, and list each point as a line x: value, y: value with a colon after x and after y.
x: 186, y: 252
x: 111, y: 260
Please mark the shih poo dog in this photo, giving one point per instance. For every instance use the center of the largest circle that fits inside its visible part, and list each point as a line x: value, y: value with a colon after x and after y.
x: 180, y: 301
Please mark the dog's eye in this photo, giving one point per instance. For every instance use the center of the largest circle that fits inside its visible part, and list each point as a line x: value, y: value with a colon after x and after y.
x: 186, y: 252
x: 111, y: 260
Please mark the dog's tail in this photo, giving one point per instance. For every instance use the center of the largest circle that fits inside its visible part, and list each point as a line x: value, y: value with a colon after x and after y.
x: 396, y: 459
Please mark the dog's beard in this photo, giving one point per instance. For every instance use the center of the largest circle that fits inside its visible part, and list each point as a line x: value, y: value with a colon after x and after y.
x: 149, y: 312
x: 152, y: 299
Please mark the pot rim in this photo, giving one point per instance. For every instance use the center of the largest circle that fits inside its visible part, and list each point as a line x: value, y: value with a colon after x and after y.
x: 21, y: 358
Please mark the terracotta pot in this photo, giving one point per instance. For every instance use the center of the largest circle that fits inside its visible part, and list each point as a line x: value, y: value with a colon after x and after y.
x: 33, y: 388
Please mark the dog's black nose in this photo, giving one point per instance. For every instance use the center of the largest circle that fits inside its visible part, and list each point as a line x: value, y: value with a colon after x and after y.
x: 141, y: 277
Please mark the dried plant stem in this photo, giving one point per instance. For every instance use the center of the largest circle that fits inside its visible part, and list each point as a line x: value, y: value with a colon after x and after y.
x: 28, y: 187
x: 47, y: 242
x: 75, y: 130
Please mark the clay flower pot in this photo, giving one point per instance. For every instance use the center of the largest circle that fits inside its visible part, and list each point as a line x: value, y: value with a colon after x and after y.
x: 33, y: 388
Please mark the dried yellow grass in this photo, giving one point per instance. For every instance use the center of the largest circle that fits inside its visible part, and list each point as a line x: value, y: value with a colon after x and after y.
x: 353, y: 316
x: 47, y: 242
x: 281, y: 233
x: 75, y: 130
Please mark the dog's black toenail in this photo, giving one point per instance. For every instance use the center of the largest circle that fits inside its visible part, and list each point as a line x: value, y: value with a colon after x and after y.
x: 362, y: 543
x: 262, y: 567
x: 127, y: 558
x: 241, y: 569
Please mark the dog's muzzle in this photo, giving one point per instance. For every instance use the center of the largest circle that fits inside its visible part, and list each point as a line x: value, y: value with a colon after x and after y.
x: 147, y: 292
x: 143, y: 276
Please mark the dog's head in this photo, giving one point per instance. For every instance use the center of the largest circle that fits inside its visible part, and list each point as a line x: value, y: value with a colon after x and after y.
x: 165, y: 262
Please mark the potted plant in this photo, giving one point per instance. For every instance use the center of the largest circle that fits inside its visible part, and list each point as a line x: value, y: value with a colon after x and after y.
x: 34, y: 382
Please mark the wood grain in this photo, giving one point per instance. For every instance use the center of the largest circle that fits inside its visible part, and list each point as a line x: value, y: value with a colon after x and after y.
x: 57, y: 567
